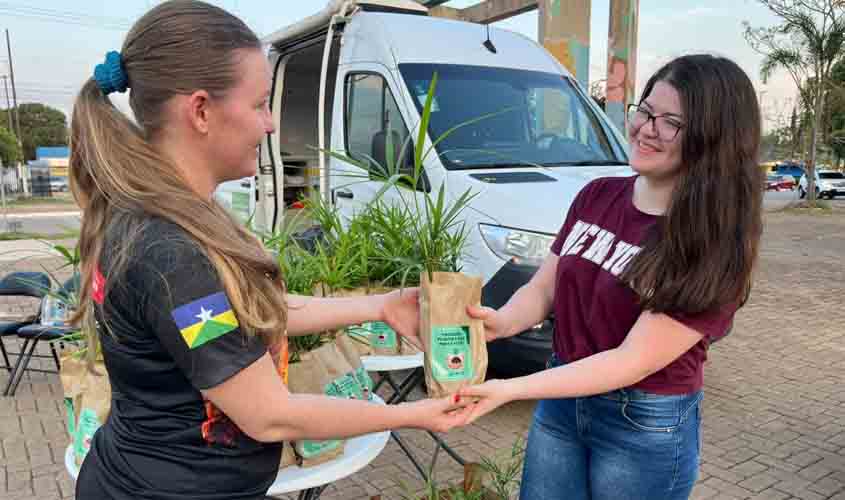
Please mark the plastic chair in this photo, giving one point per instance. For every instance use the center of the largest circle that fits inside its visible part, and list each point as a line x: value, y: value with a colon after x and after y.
x: 34, y: 333
x: 20, y: 284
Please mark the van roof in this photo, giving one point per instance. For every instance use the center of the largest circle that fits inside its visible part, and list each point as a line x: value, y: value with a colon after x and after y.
x: 320, y: 21
x: 418, y: 39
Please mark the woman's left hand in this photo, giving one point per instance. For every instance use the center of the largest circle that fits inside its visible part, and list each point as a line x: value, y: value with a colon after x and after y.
x: 401, y: 311
x: 490, y: 395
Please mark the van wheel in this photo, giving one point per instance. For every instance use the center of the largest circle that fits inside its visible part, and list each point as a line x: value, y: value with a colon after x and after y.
x: 801, y: 193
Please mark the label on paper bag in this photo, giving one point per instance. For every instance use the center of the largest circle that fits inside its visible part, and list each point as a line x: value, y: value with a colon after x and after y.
x: 451, y: 353
x: 71, y: 417
x: 381, y: 335
x: 311, y: 449
x: 358, y: 333
x: 88, y: 425
x: 365, y: 382
x: 346, y: 386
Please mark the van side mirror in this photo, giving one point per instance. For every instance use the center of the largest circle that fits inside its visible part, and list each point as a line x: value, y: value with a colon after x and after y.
x: 406, y: 164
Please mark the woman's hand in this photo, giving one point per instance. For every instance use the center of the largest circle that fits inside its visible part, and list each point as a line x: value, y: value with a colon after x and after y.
x: 400, y: 309
x: 438, y: 415
x: 495, y: 326
x: 487, y: 396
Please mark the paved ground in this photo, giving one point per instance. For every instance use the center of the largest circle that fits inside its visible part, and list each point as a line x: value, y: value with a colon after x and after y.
x: 773, y: 408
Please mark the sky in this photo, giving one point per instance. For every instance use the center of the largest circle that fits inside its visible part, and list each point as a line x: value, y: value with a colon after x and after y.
x: 56, y: 44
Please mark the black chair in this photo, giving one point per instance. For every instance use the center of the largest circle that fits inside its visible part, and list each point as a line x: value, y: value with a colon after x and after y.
x: 34, y: 333
x: 20, y: 284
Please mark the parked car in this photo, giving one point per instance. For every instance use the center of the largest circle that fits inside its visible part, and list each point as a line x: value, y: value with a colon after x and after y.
x: 780, y: 183
x: 58, y: 184
x: 828, y: 183
x: 791, y: 169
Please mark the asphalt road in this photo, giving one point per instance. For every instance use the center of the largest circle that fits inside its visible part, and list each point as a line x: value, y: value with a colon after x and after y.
x: 42, y: 223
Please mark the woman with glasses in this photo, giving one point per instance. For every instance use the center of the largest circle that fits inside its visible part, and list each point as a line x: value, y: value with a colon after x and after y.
x: 645, y: 273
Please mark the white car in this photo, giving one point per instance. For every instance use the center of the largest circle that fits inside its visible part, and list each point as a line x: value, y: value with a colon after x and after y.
x: 828, y: 183
x: 58, y: 184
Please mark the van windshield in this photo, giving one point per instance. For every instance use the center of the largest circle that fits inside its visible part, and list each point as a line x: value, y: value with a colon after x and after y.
x: 519, y: 118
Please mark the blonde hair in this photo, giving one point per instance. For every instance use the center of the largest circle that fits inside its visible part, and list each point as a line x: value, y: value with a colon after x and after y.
x: 178, y: 47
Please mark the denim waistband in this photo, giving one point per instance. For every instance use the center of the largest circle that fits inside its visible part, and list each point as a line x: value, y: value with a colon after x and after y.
x: 625, y: 394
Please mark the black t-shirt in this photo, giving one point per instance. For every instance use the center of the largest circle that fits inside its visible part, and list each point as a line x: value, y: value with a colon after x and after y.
x: 168, y: 331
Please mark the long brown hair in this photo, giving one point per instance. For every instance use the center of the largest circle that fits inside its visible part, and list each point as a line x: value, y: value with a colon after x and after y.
x: 702, y: 253
x: 178, y: 47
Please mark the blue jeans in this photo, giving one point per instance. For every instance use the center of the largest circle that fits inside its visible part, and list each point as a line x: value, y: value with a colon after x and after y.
x: 623, y: 445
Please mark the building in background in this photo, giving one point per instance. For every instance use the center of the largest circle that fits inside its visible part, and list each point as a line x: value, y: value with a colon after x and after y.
x: 48, y: 172
x: 56, y: 158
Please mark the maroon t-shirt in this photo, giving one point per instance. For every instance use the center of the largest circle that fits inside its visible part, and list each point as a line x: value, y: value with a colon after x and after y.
x: 594, y: 310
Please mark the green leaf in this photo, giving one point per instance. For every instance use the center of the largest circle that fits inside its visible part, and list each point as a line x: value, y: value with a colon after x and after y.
x: 424, y: 120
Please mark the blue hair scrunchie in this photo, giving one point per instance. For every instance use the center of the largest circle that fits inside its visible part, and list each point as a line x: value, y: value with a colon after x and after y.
x: 110, y: 75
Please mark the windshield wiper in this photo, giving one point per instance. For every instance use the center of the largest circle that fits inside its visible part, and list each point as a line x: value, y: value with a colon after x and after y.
x: 587, y: 163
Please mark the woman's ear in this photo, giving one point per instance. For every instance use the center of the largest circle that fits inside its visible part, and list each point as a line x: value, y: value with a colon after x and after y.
x: 196, y: 109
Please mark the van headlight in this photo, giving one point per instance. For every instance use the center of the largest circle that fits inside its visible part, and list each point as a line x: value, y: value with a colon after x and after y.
x: 525, y: 248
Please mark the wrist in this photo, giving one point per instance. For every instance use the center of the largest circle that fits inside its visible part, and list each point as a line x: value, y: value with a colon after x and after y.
x: 377, y: 305
x: 511, y: 389
x: 511, y: 326
x: 404, y: 416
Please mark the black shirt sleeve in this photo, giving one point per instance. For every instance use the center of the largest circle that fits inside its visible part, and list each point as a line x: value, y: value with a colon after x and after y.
x: 186, y: 306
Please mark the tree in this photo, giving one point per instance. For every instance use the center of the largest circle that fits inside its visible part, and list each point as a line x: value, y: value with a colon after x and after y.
x: 10, y: 153
x: 807, y: 43
x: 41, y: 125
x: 836, y: 137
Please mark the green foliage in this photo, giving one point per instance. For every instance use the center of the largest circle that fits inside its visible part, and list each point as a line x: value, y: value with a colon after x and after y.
x: 41, y: 125
x: 806, y: 43
x: 505, y: 471
x: 10, y: 153
x: 434, y: 225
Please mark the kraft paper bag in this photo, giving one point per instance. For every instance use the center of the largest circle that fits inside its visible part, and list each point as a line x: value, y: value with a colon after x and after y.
x: 455, y: 345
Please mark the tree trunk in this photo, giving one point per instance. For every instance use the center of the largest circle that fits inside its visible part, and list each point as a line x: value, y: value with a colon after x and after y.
x: 814, y: 139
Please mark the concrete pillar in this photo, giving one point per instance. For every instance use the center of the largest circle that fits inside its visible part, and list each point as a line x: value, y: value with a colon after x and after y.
x: 621, y: 58
x: 565, y: 32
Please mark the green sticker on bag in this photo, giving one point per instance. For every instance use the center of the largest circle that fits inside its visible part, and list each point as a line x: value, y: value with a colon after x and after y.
x: 311, y: 449
x: 381, y: 335
x: 358, y: 333
x: 346, y: 386
x: 88, y: 425
x: 451, y: 353
x: 365, y: 382
x: 71, y: 417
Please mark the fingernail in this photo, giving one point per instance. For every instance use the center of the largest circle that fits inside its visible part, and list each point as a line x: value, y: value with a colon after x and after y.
x: 457, y: 398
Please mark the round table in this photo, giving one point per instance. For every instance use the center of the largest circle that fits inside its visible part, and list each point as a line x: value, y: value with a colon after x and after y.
x: 384, y: 365
x: 391, y: 363
x: 358, y: 452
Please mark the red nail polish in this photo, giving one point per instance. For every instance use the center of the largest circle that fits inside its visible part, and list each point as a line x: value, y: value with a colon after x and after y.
x: 457, y: 399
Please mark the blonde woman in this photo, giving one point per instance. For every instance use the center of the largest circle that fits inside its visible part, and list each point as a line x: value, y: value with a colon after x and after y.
x: 190, y: 311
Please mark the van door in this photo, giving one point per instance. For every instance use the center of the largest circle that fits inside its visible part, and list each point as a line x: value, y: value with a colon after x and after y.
x: 238, y: 197
x: 367, y: 120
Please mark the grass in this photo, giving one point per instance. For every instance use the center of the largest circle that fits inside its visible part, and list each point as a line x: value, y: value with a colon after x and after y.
x: 31, y: 201
x: 822, y: 207
x: 69, y: 234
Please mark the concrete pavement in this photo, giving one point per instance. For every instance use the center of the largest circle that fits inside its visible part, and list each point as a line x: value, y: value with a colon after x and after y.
x: 774, y: 405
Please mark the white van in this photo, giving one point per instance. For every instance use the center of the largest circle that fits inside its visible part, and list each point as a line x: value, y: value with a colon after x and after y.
x: 346, y: 75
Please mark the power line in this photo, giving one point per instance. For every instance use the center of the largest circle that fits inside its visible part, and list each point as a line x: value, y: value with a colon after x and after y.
x: 62, y: 14
x: 64, y: 17
x: 59, y: 12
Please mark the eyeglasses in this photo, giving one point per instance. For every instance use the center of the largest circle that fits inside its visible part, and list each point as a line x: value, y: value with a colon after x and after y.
x: 665, y: 126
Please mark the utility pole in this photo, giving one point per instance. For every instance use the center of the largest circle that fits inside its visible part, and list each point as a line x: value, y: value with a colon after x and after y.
x: 8, y: 104
x: 14, y: 91
x: 15, y: 102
